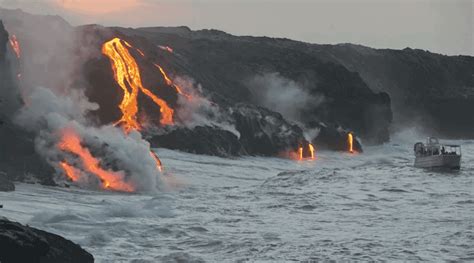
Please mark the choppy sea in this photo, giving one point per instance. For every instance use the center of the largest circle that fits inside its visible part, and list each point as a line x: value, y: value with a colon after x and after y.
x: 373, y: 206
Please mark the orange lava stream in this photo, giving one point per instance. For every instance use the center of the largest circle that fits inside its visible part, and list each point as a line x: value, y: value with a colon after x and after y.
x: 300, y: 153
x: 311, y: 151
x: 127, y: 75
x: 71, y: 142
x: 169, y: 82
x: 70, y: 171
x: 159, y: 165
x: 15, y: 45
x: 350, y: 141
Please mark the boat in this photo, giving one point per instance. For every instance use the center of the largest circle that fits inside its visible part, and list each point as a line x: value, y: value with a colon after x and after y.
x: 436, y: 155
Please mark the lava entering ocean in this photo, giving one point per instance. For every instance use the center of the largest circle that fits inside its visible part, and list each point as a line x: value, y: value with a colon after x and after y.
x: 304, y: 153
x: 71, y: 142
x: 350, y: 142
x: 127, y: 75
x: 70, y: 171
x: 311, y: 151
x: 126, y: 71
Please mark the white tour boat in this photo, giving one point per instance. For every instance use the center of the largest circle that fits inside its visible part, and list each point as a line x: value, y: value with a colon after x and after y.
x: 436, y: 155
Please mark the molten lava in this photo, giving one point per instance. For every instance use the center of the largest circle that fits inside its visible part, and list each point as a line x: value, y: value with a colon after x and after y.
x: 159, y: 165
x: 311, y: 151
x: 15, y: 45
x: 305, y: 151
x: 70, y: 142
x: 166, y: 48
x: 70, y: 171
x: 127, y: 75
x: 169, y: 82
x: 350, y: 142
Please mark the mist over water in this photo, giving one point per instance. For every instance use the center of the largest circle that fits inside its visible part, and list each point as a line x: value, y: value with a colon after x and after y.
x: 371, y: 206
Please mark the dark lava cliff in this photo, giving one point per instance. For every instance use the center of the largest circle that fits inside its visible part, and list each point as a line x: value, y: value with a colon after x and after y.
x: 337, y: 88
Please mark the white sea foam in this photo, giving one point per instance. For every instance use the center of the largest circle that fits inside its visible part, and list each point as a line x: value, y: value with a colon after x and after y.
x: 371, y: 206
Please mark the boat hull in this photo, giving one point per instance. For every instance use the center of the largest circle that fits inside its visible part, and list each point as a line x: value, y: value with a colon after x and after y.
x: 439, y: 161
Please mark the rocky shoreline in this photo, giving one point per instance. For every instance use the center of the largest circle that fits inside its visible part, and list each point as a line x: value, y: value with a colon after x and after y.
x: 22, y: 243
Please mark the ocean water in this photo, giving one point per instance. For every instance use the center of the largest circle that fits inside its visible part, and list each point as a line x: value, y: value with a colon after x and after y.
x: 370, y: 206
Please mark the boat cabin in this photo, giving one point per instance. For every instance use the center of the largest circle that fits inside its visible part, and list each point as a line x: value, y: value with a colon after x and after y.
x: 433, y: 147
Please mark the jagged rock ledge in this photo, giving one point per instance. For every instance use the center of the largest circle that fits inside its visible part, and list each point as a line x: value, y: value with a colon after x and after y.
x: 20, y: 243
x: 5, y: 184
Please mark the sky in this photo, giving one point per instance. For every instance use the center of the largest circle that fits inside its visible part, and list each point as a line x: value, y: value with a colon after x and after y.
x: 441, y: 26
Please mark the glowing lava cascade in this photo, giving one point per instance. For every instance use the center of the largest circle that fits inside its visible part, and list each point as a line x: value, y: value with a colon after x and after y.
x: 70, y: 142
x: 304, y: 154
x: 70, y: 171
x: 127, y: 75
x: 311, y: 151
x: 169, y: 82
x: 350, y: 142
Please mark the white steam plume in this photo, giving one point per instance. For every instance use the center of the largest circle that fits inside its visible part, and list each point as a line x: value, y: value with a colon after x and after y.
x: 275, y: 92
x: 47, y: 114
x: 196, y: 110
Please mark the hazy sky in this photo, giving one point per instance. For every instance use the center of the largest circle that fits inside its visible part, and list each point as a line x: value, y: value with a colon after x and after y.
x: 442, y: 26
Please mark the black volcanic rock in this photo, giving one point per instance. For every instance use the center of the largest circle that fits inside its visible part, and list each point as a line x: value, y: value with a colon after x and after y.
x: 223, y: 63
x: 5, y: 184
x: 201, y: 140
x: 21, y: 243
x: 17, y: 151
x: 3, y: 41
x: 426, y: 89
x: 361, y: 86
x: 336, y: 139
x: 263, y: 132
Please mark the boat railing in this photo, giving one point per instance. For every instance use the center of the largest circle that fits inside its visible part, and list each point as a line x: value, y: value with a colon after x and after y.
x: 437, y: 149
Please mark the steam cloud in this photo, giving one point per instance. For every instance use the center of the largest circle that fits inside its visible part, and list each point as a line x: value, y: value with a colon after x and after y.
x: 288, y: 97
x: 282, y: 95
x: 52, y: 57
x: 47, y: 114
x: 197, y: 110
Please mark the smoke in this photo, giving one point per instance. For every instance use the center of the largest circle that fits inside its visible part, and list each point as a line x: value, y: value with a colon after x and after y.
x: 288, y: 97
x: 52, y: 52
x: 194, y: 109
x: 48, y: 115
x: 273, y: 91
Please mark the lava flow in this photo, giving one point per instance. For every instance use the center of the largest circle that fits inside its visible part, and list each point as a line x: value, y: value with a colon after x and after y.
x: 350, y: 142
x: 303, y: 153
x: 166, y: 48
x: 70, y: 142
x: 300, y: 153
x: 127, y: 75
x: 311, y: 151
x: 70, y: 171
x: 159, y: 165
x: 169, y: 82
x: 15, y: 45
